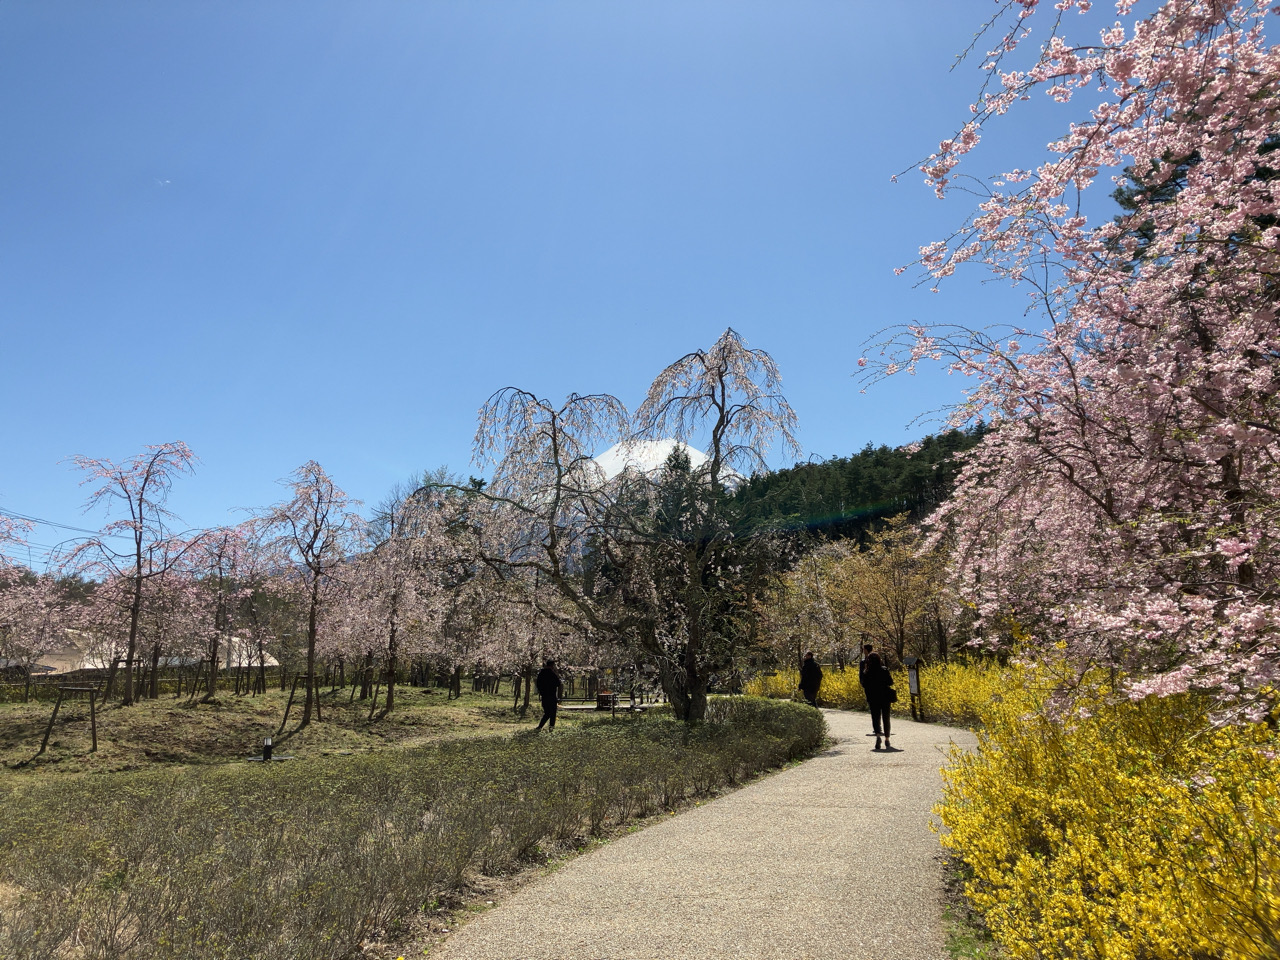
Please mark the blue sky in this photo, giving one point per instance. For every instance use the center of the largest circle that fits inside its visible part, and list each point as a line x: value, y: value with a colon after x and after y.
x: 306, y: 230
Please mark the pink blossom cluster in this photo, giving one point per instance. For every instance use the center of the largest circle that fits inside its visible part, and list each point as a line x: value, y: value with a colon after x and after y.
x: 1124, y: 510
x: 306, y: 581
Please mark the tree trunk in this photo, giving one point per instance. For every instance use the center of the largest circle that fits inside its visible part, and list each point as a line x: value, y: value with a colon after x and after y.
x: 154, y: 691
x: 391, y: 680
x: 366, y: 676
x: 111, y: 679
x: 311, y: 649
x: 211, y: 686
x: 135, y: 612
x: 528, y: 684
x: 686, y: 691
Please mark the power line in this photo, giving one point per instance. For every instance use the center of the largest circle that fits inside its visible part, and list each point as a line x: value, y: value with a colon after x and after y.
x: 44, y: 546
x: 51, y: 523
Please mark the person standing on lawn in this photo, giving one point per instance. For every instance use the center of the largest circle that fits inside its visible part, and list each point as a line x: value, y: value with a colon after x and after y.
x: 549, y: 687
x: 810, y: 678
x: 878, y: 684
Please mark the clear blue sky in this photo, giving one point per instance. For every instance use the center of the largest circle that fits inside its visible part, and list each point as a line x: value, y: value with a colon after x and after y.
x: 306, y: 230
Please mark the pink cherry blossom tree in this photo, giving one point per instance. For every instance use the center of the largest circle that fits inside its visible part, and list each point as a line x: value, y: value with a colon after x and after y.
x: 731, y: 395
x: 389, y: 603
x: 651, y: 560
x: 1124, y: 509
x: 139, y: 548
x: 177, y: 617
x: 33, y: 619
x: 467, y: 607
x: 232, y: 566
x: 432, y: 591
x: 314, y: 531
x: 13, y: 538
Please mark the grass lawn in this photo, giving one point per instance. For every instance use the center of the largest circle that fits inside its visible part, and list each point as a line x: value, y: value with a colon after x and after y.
x: 169, y: 730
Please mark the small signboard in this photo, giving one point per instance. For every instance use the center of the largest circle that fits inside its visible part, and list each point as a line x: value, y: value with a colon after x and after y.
x: 913, y: 685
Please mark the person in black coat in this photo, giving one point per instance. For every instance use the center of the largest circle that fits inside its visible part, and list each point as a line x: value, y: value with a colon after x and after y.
x: 810, y: 678
x: 549, y: 687
x: 867, y: 650
x: 877, y: 682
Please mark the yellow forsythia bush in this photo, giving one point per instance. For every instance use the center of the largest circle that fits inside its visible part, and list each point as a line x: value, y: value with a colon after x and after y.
x: 1137, y: 831
x: 779, y: 685
x: 959, y: 692
x: 954, y: 692
x: 840, y: 688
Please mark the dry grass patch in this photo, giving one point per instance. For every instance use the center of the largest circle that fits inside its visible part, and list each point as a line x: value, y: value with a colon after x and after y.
x: 313, y: 860
x: 168, y: 730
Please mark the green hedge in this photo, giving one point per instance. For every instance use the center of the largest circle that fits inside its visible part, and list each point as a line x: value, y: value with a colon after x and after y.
x: 307, y: 861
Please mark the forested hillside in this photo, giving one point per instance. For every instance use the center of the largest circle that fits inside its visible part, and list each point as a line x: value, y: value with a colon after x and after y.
x: 844, y: 496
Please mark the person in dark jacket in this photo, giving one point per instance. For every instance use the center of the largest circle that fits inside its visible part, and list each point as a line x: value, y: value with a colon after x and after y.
x: 867, y: 650
x: 877, y: 682
x: 549, y: 687
x: 810, y: 678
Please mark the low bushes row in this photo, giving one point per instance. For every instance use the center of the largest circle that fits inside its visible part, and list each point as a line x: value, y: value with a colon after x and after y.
x: 1126, y: 830
x: 954, y: 692
x: 299, y: 862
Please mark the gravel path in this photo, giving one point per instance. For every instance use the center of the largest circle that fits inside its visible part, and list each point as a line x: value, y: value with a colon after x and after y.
x: 829, y: 859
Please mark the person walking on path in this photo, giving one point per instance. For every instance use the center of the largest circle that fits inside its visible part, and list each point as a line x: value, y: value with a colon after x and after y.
x: 867, y: 650
x: 878, y: 684
x: 810, y: 678
x: 549, y: 687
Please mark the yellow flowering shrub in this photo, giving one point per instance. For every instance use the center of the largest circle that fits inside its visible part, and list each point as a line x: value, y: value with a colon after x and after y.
x: 840, y: 688
x: 779, y: 685
x: 1135, y: 832
x: 1125, y: 831
x: 960, y: 691
x: 954, y: 692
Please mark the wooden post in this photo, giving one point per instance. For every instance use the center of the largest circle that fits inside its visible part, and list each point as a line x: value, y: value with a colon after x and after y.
x: 93, y: 721
x: 195, y: 682
x: 285, y: 719
x: 49, y: 729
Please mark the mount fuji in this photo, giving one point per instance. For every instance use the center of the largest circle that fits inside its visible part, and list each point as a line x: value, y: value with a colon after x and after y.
x: 649, y: 456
